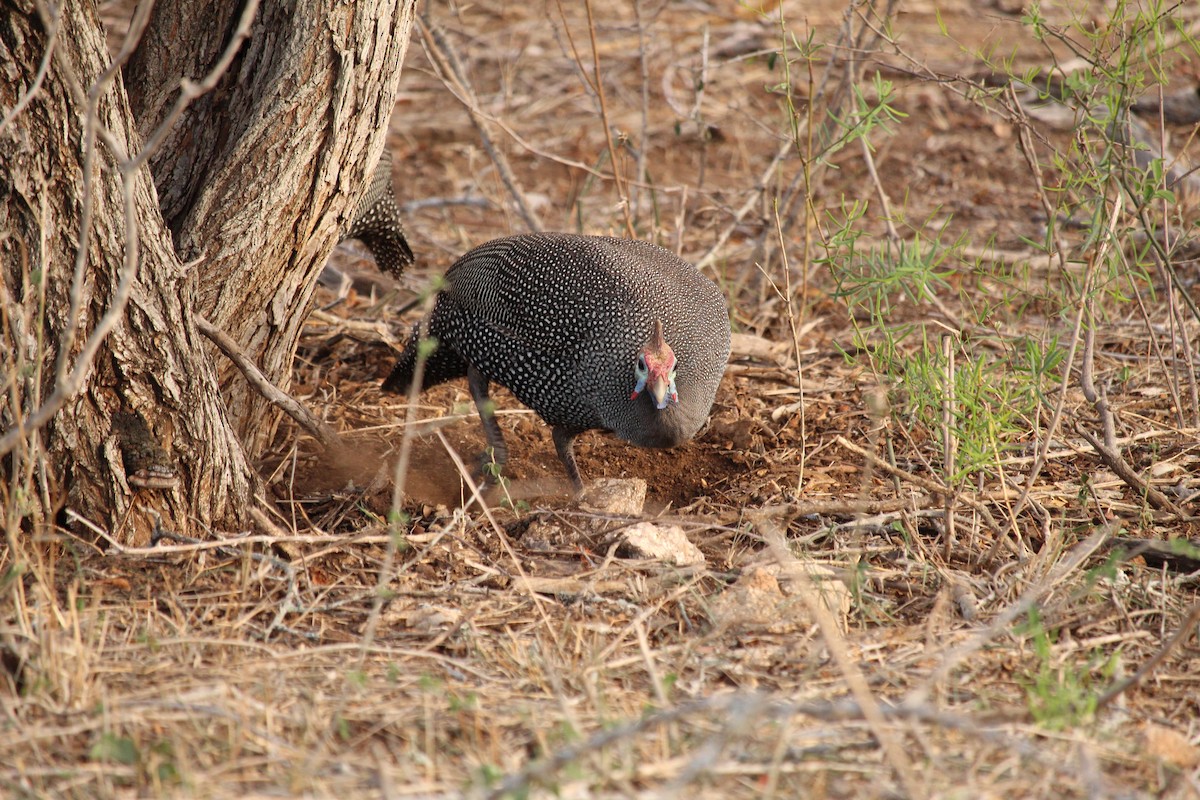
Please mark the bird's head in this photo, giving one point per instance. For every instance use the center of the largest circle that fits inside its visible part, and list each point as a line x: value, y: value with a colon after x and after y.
x: 656, y: 368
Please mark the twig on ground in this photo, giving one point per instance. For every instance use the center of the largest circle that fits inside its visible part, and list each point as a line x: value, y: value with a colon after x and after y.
x: 752, y: 706
x: 1072, y: 561
x: 833, y: 508
x: 932, y: 486
x: 1117, y: 463
x: 1184, y: 629
x: 1106, y: 448
x: 413, y: 206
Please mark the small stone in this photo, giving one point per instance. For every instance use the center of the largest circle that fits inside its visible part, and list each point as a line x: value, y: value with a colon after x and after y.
x: 764, y: 599
x: 666, y: 543
x: 622, y: 497
x: 1170, y: 746
x: 831, y: 590
x: 756, y: 347
x: 433, y: 618
x: 755, y: 602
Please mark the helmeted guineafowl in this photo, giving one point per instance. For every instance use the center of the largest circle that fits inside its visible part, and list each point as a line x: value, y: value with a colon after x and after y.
x: 377, y: 222
x: 589, y: 332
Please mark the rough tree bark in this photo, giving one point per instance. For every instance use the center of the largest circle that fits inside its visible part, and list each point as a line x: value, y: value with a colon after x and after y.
x: 255, y: 179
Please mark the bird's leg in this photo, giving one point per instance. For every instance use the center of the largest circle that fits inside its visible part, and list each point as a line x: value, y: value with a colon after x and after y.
x: 564, y: 443
x: 497, y: 452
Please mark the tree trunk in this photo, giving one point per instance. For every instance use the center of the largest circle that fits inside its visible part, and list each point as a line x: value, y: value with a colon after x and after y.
x: 256, y: 178
x: 288, y: 140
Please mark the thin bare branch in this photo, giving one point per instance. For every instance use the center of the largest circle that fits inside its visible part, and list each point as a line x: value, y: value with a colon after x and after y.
x: 324, y: 434
x: 54, y: 19
x: 443, y: 54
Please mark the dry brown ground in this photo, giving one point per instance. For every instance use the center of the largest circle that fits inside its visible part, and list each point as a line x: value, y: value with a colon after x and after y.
x: 489, y: 664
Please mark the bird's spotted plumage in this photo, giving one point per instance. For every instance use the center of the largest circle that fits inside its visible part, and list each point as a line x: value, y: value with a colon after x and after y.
x: 377, y: 222
x: 561, y: 320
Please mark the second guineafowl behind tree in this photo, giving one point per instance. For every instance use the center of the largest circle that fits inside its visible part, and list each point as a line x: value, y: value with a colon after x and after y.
x: 589, y: 332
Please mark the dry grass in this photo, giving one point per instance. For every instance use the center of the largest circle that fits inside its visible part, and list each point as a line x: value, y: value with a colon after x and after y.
x: 989, y: 665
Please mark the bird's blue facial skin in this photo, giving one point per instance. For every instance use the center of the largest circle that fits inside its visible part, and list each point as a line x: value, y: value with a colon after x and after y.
x: 642, y: 373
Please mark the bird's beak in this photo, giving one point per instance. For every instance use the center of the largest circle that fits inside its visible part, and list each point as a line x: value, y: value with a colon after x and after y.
x: 658, y: 390
x: 662, y: 389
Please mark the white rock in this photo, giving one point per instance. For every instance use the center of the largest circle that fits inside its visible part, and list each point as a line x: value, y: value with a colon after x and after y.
x: 663, y: 542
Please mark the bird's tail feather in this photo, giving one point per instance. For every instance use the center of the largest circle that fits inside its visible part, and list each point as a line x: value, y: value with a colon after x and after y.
x: 442, y: 364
